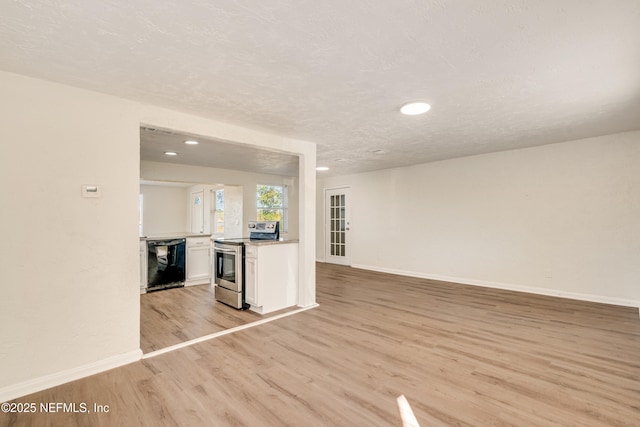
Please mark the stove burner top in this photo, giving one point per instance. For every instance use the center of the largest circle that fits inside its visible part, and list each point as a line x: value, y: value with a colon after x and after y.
x: 258, y: 230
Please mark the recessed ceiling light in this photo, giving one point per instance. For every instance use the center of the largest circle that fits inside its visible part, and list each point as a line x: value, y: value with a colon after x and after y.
x: 170, y: 153
x: 322, y: 168
x: 191, y: 142
x: 414, y: 108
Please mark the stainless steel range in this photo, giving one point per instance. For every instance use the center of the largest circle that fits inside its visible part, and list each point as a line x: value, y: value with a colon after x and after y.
x: 229, y: 262
x: 229, y: 258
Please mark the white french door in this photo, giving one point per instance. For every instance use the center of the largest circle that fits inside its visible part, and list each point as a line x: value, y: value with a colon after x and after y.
x: 337, y: 249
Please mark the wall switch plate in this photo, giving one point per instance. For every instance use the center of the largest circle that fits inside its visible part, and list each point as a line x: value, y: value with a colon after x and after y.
x: 91, y: 191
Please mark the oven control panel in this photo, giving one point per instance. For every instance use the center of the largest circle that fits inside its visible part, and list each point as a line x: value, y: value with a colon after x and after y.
x: 264, y: 230
x: 262, y: 226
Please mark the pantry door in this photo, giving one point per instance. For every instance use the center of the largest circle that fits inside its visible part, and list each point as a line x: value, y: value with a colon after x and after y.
x: 337, y: 249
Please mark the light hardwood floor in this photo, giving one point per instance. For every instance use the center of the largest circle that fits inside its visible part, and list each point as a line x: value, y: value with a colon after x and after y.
x: 177, y: 315
x: 462, y: 355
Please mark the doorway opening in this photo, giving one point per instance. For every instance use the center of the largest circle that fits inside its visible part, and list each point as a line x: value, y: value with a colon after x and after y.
x: 206, y: 190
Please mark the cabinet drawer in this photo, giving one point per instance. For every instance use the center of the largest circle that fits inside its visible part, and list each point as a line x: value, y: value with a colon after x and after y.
x: 198, y: 241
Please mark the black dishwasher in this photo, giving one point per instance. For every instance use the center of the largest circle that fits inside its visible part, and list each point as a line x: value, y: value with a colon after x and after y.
x: 165, y: 264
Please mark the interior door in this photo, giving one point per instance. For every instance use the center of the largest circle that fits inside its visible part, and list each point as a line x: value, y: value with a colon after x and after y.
x: 337, y: 249
x: 197, y: 212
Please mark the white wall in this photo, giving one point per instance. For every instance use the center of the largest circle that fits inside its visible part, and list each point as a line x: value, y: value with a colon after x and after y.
x: 70, y: 265
x: 164, y: 209
x: 561, y: 219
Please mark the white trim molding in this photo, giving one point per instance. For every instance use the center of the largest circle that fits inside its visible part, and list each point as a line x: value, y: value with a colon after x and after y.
x: 42, y: 383
x: 509, y: 287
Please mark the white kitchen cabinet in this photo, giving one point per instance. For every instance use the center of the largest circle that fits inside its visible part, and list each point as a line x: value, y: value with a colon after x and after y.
x: 250, y: 279
x: 271, y: 276
x: 198, y: 259
x: 143, y: 266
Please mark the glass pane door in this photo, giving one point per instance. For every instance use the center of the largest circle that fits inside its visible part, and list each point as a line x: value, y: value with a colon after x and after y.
x: 337, y: 226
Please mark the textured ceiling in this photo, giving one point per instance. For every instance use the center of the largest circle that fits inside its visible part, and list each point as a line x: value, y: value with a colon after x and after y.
x: 498, y: 74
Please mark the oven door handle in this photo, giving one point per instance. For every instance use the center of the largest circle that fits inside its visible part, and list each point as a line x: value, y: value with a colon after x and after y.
x: 224, y: 250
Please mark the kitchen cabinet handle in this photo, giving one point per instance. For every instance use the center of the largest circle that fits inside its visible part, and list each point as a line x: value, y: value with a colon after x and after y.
x: 224, y: 250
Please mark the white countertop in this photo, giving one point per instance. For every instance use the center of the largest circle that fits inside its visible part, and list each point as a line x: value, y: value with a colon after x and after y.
x: 173, y: 235
x: 256, y: 242
x: 270, y: 242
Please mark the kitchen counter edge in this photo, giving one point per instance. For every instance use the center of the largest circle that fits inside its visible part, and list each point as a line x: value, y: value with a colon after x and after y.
x: 173, y: 236
x: 270, y: 242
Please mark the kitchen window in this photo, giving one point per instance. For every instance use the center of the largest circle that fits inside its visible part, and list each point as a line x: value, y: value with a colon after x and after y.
x: 271, y: 202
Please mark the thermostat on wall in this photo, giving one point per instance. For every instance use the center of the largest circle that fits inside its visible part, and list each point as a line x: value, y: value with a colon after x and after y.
x: 91, y: 191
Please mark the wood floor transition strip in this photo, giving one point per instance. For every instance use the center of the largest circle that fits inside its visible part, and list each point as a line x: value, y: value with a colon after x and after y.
x: 225, y: 332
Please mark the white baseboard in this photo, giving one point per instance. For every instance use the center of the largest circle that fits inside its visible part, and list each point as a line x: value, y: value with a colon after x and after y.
x: 509, y: 287
x: 42, y: 383
x: 197, y: 282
